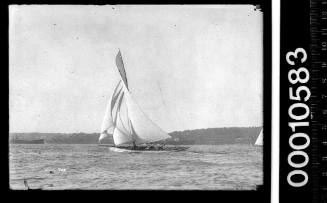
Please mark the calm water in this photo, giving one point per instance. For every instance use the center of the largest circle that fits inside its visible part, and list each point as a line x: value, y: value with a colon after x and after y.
x: 209, y: 167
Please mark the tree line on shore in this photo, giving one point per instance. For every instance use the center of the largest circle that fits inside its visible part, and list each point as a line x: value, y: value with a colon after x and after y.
x: 209, y: 136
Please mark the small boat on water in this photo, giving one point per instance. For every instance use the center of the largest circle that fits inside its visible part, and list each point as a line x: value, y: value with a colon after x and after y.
x: 259, y: 141
x: 131, y: 129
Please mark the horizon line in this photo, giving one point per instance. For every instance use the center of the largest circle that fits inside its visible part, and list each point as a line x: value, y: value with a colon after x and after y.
x: 168, y: 132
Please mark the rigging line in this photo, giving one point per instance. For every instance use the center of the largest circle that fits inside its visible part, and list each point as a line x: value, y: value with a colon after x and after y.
x: 119, y: 59
x: 162, y: 99
x: 129, y: 120
x: 141, y: 110
x: 130, y: 125
x: 176, y: 115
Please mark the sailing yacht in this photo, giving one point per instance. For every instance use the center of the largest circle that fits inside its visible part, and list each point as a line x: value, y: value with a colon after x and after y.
x: 124, y: 119
x: 259, y: 140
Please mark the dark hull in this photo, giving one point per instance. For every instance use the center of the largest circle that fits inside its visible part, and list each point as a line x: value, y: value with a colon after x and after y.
x: 146, y: 148
x: 39, y: 141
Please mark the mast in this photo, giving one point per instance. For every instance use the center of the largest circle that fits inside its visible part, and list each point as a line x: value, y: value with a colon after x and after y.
x: 125, y: 117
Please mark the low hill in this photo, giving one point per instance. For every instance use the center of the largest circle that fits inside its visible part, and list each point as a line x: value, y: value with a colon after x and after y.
x: 209, y: 136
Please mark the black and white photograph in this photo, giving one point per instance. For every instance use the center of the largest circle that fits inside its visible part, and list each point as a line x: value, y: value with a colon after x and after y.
x: 136, y: 97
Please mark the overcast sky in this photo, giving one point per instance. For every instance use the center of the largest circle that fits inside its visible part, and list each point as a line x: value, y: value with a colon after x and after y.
x: 188, y: 67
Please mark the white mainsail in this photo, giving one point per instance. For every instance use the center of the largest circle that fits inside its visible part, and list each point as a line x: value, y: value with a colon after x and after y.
x: 259, y: 140
x: 125, y: 118
x: 143, y: 128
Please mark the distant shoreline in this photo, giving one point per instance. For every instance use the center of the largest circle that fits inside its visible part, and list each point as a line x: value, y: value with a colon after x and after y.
x: 209, y: 136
